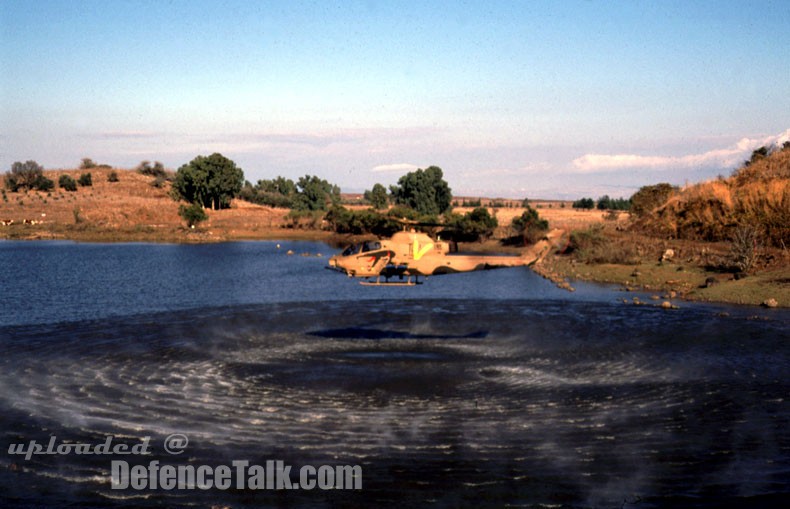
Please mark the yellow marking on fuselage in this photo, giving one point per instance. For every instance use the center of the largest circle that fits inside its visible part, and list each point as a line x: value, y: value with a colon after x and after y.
x: 418, y: 252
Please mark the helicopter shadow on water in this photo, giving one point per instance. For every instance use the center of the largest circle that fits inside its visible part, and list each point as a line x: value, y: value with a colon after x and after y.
x: 369, y: 333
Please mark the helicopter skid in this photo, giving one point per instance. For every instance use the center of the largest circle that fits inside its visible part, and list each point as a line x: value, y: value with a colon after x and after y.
x: 387, y: 282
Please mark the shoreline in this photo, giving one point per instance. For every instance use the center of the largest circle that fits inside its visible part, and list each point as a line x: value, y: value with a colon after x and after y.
x: 669, y: 283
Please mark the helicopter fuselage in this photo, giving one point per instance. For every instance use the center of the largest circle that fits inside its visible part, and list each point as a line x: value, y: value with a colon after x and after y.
x: 412, y: 254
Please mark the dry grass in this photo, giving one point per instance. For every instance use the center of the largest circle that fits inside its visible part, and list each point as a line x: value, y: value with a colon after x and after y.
x: 758, y: 195
x: 130, y: 209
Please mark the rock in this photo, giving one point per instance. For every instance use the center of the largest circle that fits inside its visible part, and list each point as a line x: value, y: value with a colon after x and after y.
x: 673, y: 294
x: 636, y: 273
x: 654, y: 297
x: 710, y: 282
x: 666, y: 305
x: 770, y: 303
x: 289, y: 252
x: 668, y: 255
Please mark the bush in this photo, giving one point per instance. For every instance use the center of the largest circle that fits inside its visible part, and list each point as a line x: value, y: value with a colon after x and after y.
x: 85, y: 180
x: 649, y: 198
x: 529, y: 227
x: 192, y: 214
x: 743, y: 250
x: 306, y: 219
x: 67, y: 183
x: 359, y: 222
x: 592, y: 246
x: 113, y: 177
x: 27, y: 175
x: 42, y: 183
x: 157, y: 170
x: 473, y: 226
x: 87, y: 164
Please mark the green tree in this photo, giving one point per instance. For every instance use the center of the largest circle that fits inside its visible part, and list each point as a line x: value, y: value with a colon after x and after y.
x: 377, y: 197
x: 279, y: 192
x: 529, y: 226
x: 359, y: 222
x: 473, y: 226
x: 24, y: 175
x: 211, y: 181
x: 279, y: 185
x: 648, y: 198
x: 425, y: 191
x: 315, y: 194
x: 192, y: 214
x: 584, y: 203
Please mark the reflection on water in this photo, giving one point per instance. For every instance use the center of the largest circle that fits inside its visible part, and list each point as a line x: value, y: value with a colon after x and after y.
x: 577, y: 404
x: 515, y: 394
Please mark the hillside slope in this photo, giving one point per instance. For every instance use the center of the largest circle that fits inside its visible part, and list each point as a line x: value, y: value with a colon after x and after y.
x: 756, y: 197
x: 136, y: 207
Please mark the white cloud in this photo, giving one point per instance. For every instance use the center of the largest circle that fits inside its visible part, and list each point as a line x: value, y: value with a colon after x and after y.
x: 727, y: 157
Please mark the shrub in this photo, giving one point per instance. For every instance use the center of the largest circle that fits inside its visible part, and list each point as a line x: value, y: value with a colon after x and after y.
x: 307, y: 219
x: 85, y: 180
x: 473, y: 226
x: 87, y: 164
x: 192, y: 214
x: 358, y: 222
x: 743, y: 249
x: 592, y: 246
x: 67, y: 183
x: 529, y: 227
x: 42, y: 183
x: 113, y: 176
x: 157, y: 170
x: 27, y: 175
x: 649, y: 198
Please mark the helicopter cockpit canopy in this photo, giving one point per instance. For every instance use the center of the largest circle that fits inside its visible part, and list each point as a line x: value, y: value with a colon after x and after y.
x: 362, y: 247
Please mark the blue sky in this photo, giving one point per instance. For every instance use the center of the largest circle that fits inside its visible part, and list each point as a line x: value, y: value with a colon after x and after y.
x: 556, y: 99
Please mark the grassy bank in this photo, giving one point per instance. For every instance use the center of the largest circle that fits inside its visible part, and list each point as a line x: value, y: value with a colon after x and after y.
x: 695, y: 273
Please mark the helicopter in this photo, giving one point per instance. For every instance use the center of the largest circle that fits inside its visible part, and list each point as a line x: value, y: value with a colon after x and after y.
x: 412, y: 254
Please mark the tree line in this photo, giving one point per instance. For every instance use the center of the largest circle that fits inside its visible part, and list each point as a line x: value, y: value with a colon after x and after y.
x: 211, y: 182
x: 603, y: 203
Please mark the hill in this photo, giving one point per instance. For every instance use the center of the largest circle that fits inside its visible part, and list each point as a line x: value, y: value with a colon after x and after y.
x: 134, y: 208
x: 755, y: 200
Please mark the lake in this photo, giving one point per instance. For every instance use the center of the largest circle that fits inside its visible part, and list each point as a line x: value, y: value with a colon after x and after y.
x: 484, y: 389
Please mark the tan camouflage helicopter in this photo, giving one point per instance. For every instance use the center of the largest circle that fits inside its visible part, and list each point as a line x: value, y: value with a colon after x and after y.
x: 413, y: 254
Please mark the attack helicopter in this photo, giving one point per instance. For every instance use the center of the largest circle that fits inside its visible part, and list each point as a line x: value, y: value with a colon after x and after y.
x: 412, y: 254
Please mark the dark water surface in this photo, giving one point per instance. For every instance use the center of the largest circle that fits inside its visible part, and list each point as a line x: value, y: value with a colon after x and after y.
x: 488, y: 389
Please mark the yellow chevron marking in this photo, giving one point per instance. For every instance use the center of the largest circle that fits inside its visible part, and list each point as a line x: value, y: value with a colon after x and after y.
x: 418, y: 252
